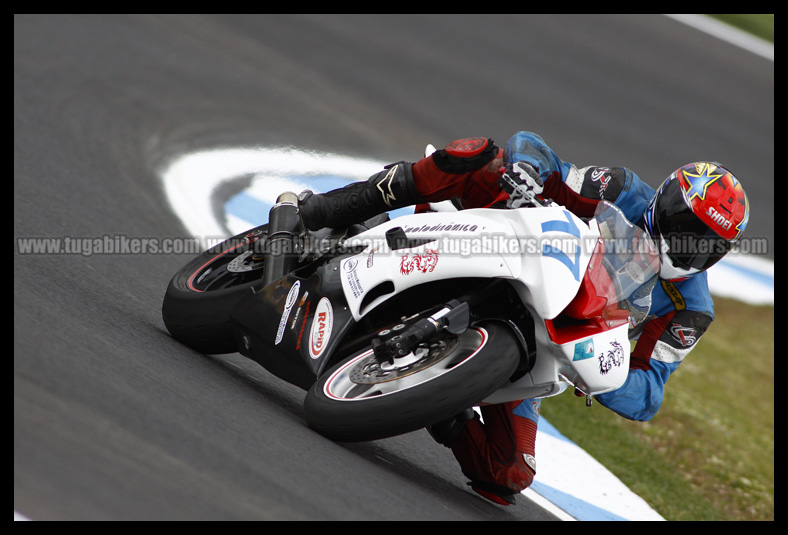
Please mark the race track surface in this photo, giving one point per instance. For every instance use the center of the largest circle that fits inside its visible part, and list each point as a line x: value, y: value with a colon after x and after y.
x: 113, y: 419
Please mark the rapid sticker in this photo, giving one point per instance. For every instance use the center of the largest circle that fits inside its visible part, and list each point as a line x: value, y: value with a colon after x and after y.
x: 321, y: 328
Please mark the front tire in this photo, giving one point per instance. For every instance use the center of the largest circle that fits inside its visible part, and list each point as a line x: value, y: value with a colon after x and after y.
x: 358, y: 401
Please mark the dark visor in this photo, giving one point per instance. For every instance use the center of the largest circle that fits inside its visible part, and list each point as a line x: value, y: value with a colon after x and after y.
x: 691, y: 243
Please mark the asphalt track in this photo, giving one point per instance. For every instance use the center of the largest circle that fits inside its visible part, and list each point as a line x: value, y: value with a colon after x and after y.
x: 115, y: 420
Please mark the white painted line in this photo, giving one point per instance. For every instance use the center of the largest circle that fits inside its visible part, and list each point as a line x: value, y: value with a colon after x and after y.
x: 190, y: 180
x: 728, y: 33
x: 743, y: 277
x: 579, y: 485
x: 547, y: 505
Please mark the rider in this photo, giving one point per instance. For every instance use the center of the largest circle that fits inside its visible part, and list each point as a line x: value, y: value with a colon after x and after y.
x: 695, y: 216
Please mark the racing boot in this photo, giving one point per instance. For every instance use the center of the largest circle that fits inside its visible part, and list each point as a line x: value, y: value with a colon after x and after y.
x: 495, y: 493
x: 498, y: 454
x: 446, y: 432
x: 391, y: 188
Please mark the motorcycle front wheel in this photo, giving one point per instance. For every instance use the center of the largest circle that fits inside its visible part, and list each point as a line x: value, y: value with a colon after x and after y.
x: 360, y: 400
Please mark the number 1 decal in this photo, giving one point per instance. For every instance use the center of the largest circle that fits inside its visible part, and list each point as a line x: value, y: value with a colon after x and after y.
x: 568, y: 227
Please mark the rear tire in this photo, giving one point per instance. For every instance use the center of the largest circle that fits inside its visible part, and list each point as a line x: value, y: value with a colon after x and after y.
x: 201, y: 295
x: 355, y: 400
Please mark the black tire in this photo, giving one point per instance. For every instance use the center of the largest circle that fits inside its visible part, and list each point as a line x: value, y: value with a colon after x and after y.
x: 199, y: 298
x: 346, y: 408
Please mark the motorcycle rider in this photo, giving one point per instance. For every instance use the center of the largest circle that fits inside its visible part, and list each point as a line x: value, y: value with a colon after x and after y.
x: 694, y: 217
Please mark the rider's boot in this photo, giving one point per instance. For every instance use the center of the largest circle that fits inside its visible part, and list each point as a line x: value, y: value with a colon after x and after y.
x: 446, y: 432
x: 497, y: 453
x: 467, y: 170
x: 391, y: 188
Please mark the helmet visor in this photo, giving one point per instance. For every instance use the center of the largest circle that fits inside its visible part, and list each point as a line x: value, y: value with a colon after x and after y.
x: 691, y: 242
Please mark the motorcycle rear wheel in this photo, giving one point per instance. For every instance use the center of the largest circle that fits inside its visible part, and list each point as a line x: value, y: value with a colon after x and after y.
x: 357, y: 400
x: 201, y: 295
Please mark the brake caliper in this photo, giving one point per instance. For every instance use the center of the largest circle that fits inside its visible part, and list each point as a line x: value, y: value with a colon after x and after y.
x: 402, y: 339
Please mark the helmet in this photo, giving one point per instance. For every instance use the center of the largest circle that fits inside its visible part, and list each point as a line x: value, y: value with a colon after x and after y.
x: 696, y: 216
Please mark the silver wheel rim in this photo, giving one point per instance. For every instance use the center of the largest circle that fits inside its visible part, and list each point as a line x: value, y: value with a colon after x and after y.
x: 361, y: 378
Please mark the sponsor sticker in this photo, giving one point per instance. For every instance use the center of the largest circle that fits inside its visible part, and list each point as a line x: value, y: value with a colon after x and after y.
x: 674, y: 295
x: 614, y: 357
x: 683, y: 335
x: 601, y: 175
x: 583, y: 350
x: 423, y: 262
x: 289, y: 303
x: 370, y: 257
x: 321, y: 328
x: 349, y: 268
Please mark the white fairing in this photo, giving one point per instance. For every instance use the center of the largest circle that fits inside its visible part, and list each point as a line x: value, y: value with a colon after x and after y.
x: 594, y: 365
x: 547, y: 250
x: 544, y: 251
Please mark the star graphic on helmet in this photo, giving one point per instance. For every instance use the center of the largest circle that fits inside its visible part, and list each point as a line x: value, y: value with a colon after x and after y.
x: 699, y: 181
x: 743, y: 223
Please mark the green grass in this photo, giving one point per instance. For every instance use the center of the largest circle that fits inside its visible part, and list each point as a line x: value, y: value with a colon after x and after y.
x: 709, y: 452
x: 759, y: 25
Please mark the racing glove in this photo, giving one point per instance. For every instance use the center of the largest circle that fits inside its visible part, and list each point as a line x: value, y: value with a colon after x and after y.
x: 522, y: 182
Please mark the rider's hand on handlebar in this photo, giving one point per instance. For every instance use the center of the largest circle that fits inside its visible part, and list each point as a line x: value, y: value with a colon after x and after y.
x: 522, y: 182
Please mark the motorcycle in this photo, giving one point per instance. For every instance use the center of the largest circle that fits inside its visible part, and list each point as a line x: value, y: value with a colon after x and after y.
x: 394, y: 325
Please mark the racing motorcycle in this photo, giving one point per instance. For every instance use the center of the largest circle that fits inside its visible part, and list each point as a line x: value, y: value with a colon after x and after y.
x: 393, y: 325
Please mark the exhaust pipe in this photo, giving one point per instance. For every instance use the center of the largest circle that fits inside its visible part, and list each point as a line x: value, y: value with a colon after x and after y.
x: 280, y: 248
